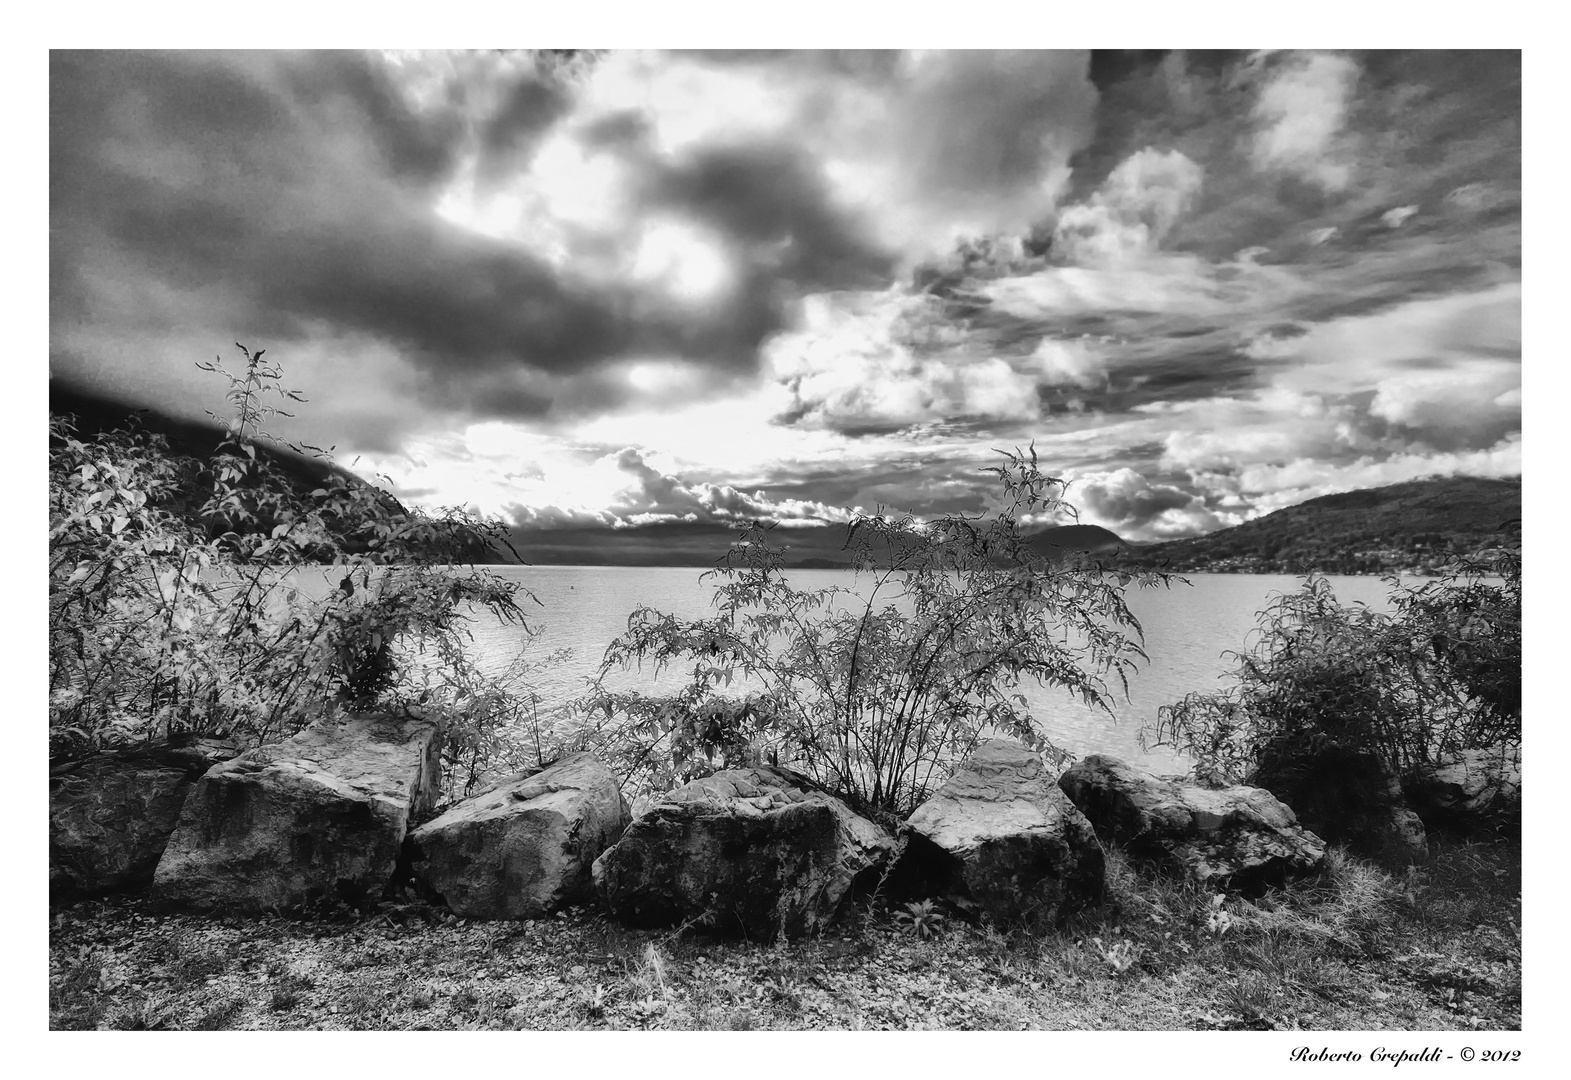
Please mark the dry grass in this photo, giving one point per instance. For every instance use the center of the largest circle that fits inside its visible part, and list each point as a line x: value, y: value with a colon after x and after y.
x: 1438, y: 950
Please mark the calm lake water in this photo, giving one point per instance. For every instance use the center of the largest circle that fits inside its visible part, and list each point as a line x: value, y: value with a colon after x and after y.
x: 1187, y: 629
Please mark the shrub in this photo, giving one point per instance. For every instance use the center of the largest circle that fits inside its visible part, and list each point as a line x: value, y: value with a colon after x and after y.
x: 874, y: 690
x: 1441, y: 673
x: 1461, y: 637
x: 227, y: 597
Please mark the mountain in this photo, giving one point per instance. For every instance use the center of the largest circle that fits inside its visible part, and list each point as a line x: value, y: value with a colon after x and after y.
x: 1092, y: 539
x: 1412, y: 527
x: 93, y: 413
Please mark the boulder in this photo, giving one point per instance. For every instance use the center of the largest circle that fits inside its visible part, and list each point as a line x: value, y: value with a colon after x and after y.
x: 1236, y: 837
x: 319, y: 815
x: 1000, y: 842
x: 760, y: 852
x: 1472, y: 791
x: 110, y: 815
x: 524, y: 847
x: 1346, y: 796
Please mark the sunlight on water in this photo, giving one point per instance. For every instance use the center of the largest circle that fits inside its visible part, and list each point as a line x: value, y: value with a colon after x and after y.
x: 1187, y: 629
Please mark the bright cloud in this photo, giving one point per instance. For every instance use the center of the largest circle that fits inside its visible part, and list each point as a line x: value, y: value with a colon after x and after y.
x: 870, y: 360
x: 1133, y: 211
x: 1295, y: 481
x: 1301, y: 111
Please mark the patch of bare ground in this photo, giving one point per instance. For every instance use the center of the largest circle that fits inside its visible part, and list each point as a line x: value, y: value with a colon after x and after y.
x: 1437, y: 949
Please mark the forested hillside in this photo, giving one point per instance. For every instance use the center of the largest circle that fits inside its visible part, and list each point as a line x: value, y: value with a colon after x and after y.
x: 1415, y: 526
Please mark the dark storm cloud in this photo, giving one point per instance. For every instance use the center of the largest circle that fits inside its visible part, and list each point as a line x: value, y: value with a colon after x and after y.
x: 1134, y: 502
x: 528, y: 110
x: 1412, y: 126
x: 623, y: 131
x: 270, y: 195
x: 286, y: 184
x: 768, y: 201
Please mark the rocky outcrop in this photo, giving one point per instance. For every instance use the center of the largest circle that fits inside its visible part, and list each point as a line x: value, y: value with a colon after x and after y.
x: 1234, y: 837
x: 1470, y: 792
x: 524, y: 848
x: 1346, y: 796
x: 322, y: 814
x: 1000, y: 842
x: 110, y: 815
x: 760, y: 852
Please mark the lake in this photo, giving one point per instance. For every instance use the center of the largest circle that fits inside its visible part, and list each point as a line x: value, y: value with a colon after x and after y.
x: 1187, y: 628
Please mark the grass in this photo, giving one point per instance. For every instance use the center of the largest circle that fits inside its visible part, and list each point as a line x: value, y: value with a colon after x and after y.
x: 1357, y: 949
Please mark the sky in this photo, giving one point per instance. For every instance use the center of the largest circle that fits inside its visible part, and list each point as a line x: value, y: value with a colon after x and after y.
x: 622, y: 299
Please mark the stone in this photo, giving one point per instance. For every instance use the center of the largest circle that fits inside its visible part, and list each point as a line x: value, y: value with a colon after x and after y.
x: 110, y: 815
x: 321, y: 815
x: 525, y: 847
x: 1471, y: 791
x: 1000, y: 842
x: 1346, y: 796
x: 1239, y: 837
x: 759, y: 852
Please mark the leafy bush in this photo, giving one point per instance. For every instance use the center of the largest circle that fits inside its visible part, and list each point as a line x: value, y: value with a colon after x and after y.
x: 876, y: 690
x: 226, y: 597
x: 1461, y: 636
x: 1441, y: 673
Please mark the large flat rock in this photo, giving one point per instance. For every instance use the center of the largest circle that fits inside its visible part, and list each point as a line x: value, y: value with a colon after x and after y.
x: 1000, y: 842
x: 525, y: 847
x: 322, y: 814
x: 1237, y: 837
x: 758, y: 852
x: 111, y: 815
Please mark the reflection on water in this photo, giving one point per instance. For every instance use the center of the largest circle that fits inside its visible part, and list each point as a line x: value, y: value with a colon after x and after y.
x: 1187, y: 629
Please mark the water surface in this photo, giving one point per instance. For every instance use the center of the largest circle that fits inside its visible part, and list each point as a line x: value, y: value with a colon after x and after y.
x: 1187, y: 629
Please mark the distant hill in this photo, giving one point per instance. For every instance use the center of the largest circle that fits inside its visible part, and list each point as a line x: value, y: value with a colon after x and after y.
x: 1054, y: 542
x: 196, y: 439
x: 1412, y: 527
x: 1092, y: 539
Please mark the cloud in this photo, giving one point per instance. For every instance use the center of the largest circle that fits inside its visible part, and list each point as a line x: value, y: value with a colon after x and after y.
x: 881, y: 361
x: 624, y: 490
x: 772, y: 206
x: 1395, y: 217
x: 1070, y: 363
x: 589, y: 215
x: 919, y: 149
x: 1412, y: 383
x: 1302, y: 106
x: 1126, y: 502
x: 1445, y: 371
x: 1133, y: 210
x: 980, y: 142
x: 1293, y: 482
x: 1273, y: 425
x: 279, y: 194
x: 799, y: 280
